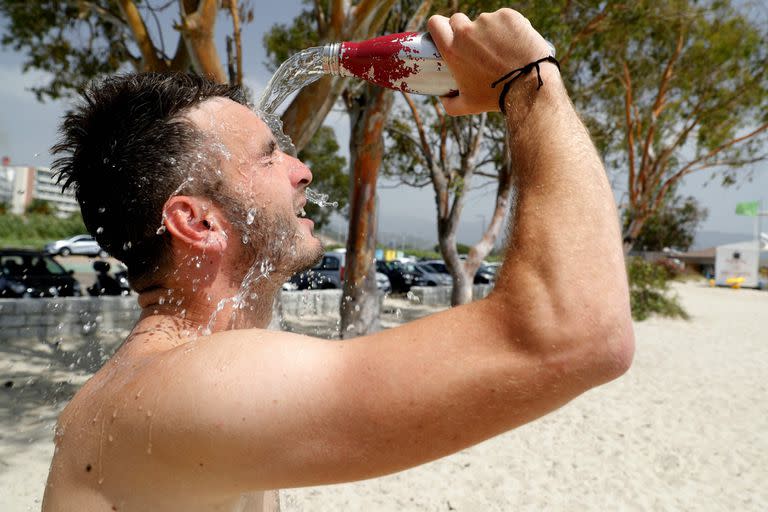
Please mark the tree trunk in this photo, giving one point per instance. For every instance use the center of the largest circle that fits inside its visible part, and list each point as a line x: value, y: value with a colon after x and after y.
x: 632, y: 232
x: 462, y: 287
x: 461, y: 292
x: 360, y: 301
x: 308, y: 110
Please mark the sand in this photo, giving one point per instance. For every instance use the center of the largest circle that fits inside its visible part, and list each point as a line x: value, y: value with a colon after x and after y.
x: 685, y: 429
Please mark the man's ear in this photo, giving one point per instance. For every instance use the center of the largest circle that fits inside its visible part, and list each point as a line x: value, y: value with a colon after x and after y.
x: 195, y: 222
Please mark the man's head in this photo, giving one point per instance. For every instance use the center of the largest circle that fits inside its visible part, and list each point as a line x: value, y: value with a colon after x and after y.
x: 145, y: 146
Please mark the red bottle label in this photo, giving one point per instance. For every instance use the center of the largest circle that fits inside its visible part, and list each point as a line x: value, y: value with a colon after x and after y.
x: 384, y: 60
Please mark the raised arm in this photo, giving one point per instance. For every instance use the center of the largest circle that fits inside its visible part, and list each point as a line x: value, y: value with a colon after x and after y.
x: 565, y: 264
x: 267, y: 410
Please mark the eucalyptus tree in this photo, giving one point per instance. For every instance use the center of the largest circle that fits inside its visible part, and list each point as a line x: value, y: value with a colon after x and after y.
x: 667, y: 88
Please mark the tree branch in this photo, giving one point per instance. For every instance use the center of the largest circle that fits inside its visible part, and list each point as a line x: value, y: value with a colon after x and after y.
x: 141, y: 35
x: 417, y: 20
x: 628, y: 102
x: 367, y: 18
x: 487, y: 175
x: 322, y: 24
x: 660, y: 103
x: 338, y: 15
x: 416, y: 143
x: 235, y: 13
x: 197, y: 29
x: 424, y: 144
x: 105, y: 14
x: 693, y: 164
x: 592, y: 26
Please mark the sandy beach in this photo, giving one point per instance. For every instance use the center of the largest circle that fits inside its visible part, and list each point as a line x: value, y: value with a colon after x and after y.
x: 685, y: 429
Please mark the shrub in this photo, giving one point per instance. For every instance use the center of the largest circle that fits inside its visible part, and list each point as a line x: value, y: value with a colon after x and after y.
x: 649, y: 291
x: 35, y: 230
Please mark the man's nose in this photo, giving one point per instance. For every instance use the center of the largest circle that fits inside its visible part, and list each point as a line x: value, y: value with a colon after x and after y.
x: 300, y: 174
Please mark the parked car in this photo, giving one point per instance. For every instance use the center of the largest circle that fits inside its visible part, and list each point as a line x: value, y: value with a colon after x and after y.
x: 428, y: 276
x: 25, y: 273
x: 383, y: 283
x: 438, y: 265
x: 79, y: 244
x: 328, y: 274
x: 486, y: 274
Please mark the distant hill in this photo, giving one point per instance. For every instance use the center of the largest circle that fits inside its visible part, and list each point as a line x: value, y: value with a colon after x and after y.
x: 706, y: 239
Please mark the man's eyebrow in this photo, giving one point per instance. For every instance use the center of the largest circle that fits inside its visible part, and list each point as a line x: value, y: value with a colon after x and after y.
x: 269, y: 148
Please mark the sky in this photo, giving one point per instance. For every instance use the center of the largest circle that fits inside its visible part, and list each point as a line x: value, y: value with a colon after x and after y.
x: 28, y: 130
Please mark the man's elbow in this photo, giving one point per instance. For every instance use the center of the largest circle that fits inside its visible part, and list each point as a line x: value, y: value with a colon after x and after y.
x: 618, y: 350
x: 588, y: 349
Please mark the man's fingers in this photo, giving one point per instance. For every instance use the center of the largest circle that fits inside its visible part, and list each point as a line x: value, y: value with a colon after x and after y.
x: 442, y: 34
x: 459, y: 20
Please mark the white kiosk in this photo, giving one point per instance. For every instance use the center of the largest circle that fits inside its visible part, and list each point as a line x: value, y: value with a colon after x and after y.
x: 739, y: 264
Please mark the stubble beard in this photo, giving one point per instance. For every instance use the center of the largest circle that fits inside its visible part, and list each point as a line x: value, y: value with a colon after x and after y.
x: 272, y: 241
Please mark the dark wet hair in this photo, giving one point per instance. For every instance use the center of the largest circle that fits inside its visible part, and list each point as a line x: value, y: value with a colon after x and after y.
x: 126, y: 148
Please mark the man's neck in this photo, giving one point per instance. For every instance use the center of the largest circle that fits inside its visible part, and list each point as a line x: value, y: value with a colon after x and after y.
x: 204, y: 311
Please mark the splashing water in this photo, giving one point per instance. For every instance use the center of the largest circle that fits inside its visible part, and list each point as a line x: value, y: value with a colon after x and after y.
x: 300, y: 70
x: 251, y: 216
x: 320, y: 199
x: 239, y: 301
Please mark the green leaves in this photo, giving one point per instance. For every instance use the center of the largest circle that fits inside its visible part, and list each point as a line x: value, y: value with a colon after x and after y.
x: 673, y: 226
x: 65, y: 39
x: 649, y: 292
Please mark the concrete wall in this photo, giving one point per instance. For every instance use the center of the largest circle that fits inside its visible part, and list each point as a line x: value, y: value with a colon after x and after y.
x: 64, y: 318
x: 310, y: 303
x: 441, y: 295
x: 110, y: 318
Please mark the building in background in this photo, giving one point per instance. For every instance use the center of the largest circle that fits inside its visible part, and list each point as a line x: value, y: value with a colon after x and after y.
x: 21, y: 184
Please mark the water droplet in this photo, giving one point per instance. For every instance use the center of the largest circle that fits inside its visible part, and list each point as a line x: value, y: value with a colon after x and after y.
x: 250, y: 216
x: 99, y: 230
x: 319, y: 198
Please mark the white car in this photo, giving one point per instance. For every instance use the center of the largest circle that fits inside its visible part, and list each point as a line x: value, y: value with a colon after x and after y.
x: 79, y: 244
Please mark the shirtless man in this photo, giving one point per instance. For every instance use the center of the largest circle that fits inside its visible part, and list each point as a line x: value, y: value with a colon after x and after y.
x: 184, y: 420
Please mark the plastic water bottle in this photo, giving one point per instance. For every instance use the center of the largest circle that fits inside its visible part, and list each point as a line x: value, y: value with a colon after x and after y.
x: 407, y: 61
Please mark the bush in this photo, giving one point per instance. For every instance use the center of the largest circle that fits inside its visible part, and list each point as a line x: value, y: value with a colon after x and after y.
x: 649, y: 291
x: 35, y: 230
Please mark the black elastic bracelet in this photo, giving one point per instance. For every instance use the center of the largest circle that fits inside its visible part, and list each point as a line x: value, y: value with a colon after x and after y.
x: 517, y: 73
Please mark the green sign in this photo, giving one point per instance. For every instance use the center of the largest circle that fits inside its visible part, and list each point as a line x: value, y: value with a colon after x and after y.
x: 750, y: 208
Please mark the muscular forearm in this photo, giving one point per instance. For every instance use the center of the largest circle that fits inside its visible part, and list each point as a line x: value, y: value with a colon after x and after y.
x: 564, y: 263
